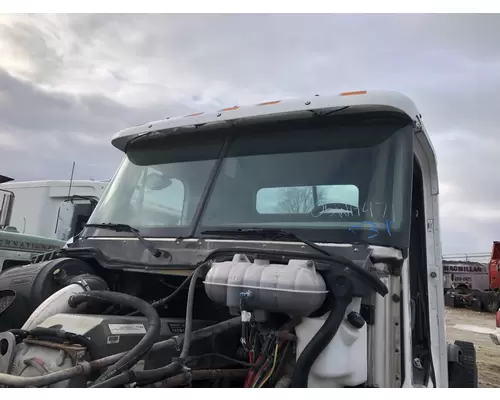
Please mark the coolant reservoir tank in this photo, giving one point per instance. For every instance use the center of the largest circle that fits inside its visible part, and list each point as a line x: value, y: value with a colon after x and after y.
x: 344, y: 361
x: 295, y: 288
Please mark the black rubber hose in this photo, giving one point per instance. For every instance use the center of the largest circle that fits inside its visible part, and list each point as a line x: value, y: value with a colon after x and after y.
x: 189, y: 314
x: 148, y: 340
x: 341, y: 290
x: 174, y: 367
x: 164, y: 301
x: 149, y: 376
x: 204, y: 374
x: 50, y: 333
x: 221, y: 356
x: 146, y: 377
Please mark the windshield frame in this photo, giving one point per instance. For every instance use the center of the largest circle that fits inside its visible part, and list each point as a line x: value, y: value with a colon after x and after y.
x: 194, y: 230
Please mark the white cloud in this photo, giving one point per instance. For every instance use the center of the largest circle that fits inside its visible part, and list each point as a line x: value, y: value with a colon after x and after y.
x: 10, y: 142
x: 74, y: 80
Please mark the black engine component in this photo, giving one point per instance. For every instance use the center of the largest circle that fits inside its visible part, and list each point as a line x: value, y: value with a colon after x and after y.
x: 23, y: 288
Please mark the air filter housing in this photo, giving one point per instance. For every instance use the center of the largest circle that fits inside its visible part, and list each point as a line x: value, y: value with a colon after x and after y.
x: 6, y: 299
x: 25, y: 287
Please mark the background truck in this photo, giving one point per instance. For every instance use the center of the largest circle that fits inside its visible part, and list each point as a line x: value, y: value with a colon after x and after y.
x: 38, y: 217
x: 18, y: 248
x: 55, y: 209
x: 473, y: 284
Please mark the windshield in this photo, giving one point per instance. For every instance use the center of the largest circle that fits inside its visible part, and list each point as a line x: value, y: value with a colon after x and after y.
x: 331, y: 179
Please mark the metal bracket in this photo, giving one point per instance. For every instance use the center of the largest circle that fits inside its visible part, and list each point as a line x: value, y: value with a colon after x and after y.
x: 418, y: 123
x: 430, y: 225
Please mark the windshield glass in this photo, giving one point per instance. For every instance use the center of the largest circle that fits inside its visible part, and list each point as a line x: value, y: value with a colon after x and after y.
x: 159, y: 186
x: 341, y: 179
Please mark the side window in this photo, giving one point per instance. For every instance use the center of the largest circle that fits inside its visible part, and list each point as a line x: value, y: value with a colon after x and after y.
x: 302, y: 199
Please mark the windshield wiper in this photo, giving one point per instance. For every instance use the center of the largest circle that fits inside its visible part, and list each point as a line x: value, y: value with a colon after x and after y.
x: 127, y: 228
x: 270, y: 234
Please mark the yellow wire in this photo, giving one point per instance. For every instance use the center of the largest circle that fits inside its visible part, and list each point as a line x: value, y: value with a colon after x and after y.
x: 272, y: 368
x: 256, y: 380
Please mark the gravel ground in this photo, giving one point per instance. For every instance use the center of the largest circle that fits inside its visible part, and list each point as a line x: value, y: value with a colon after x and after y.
x: 472, y: 326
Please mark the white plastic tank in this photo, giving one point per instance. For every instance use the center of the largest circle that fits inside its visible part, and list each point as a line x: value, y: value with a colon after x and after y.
x: 344, y: 362
x: 295, y: 288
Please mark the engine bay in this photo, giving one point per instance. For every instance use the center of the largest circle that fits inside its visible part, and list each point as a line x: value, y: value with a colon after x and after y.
x: 237, y: 320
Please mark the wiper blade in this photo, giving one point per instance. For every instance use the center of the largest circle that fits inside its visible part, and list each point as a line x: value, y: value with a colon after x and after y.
x: 260, y: 232
x: 274, y: 234
x: 127, y: 228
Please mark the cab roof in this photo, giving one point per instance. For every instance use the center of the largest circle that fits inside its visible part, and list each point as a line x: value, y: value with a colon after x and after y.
x: 347, y: 102
x: 52, y: 183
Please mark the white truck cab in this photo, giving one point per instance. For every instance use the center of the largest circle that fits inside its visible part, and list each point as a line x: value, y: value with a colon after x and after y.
x: 312, y: 220
x: 55, y: 209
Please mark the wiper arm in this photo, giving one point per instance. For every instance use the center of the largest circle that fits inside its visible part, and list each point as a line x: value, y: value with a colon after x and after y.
x: 127, y: 228
x: 277, y: 234
x: 280, y: 233
x: 266, y: 233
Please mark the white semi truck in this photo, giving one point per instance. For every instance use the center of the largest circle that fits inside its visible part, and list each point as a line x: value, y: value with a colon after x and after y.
x: 37, y: 217
x: 290, y: 243
x: 52, y: 208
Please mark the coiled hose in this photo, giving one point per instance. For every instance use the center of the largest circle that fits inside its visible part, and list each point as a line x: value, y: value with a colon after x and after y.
x: 148, y: 340
x: 154, y: 375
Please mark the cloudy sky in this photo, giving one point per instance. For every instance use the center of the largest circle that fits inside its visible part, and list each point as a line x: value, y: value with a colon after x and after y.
x: 68, y: 83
